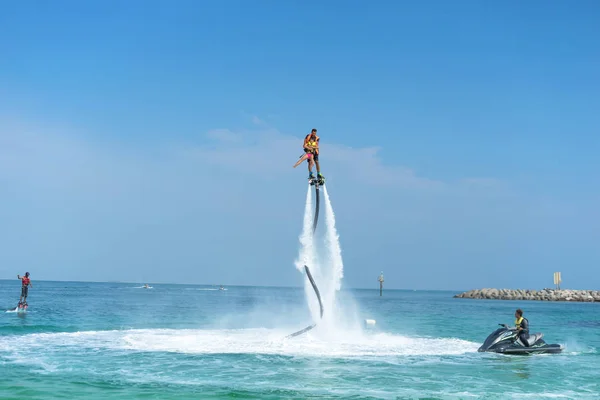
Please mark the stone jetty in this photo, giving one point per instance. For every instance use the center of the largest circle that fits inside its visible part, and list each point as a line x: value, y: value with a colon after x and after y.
x: 539, y: 295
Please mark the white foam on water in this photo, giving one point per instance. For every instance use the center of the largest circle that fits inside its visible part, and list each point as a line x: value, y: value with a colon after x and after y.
x: 20, y: 312
x: 235, y: 341
x: 116, y: 355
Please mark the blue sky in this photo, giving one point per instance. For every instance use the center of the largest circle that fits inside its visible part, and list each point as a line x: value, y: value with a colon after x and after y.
x: 153, y: 141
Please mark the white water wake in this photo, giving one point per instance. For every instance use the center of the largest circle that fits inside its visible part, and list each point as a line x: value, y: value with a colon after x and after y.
x: 229, y: 341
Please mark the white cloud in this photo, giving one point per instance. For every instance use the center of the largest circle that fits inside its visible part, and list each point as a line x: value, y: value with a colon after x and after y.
x: 257, y: 121
x: 266, y: 154
x: 257, y: 151
x: 224, y: 135
x: 180, y: 206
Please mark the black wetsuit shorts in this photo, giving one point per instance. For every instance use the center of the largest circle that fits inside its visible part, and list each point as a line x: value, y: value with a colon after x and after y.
x: 24, y: 291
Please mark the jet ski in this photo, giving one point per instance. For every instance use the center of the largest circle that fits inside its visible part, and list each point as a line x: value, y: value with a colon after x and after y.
x: 505, y: 340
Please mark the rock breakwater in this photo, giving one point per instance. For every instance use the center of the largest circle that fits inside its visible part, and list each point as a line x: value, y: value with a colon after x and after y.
x: 539, y: 295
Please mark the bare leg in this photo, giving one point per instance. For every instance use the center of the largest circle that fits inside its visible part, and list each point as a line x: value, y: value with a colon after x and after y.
x: 310, y: 165
x: 300, y: 160
x: 318, y: 167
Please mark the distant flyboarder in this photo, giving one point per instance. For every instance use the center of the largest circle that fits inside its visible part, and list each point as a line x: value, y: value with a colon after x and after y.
x: 25, y: 284
x: 380, y: 279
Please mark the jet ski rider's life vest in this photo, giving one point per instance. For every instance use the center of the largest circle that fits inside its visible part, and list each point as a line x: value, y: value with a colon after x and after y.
x: 308, y: 141
x: 518, y: 322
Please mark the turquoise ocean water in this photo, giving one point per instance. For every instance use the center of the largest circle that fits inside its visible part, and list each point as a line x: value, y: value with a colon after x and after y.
x: 117, y: 340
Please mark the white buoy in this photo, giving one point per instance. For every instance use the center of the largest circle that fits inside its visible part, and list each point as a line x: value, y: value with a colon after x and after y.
x: 369, y: 322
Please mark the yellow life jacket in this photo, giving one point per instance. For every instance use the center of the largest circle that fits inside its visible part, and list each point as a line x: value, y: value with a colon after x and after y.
x: 308, y: 141
x: 518, y: 322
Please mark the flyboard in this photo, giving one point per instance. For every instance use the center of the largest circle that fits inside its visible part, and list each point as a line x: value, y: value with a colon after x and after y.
x: 20, y: 308
x: 316, y: 182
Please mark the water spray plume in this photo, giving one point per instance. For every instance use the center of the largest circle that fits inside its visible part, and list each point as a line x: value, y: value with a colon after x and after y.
x: 323, y: 264
x: 307, y: 256
x: 306, y: 238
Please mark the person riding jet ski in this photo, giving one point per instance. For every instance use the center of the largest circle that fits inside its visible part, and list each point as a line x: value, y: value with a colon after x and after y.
x: 518, y: 340
x: 522, y: 326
